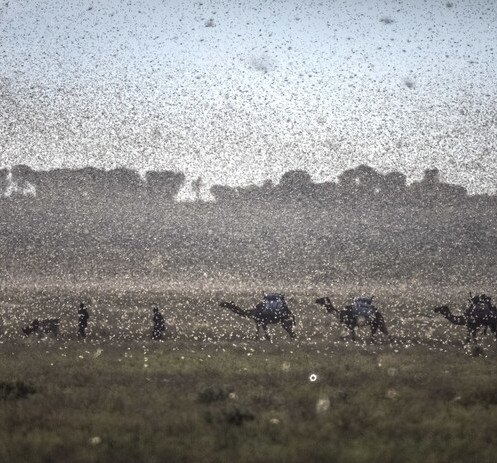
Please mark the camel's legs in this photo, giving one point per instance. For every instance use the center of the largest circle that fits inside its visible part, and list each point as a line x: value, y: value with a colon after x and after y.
x: 475, y: 332
x: 374, y: 330
x: 381, y: 324
x: 258, y: 330
x: 471, y: 334
x: 266, y: 334
x: 288, y: 327
x: 493, y: 329
x: 374, y: 327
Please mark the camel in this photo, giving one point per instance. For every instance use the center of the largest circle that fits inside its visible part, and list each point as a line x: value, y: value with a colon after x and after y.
x: 353, y: 316
x: 264, y: 315
x: 481, y: 313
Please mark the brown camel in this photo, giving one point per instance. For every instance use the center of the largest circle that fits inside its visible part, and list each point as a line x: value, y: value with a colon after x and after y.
x: 272, y: 310
x: 357, y: 314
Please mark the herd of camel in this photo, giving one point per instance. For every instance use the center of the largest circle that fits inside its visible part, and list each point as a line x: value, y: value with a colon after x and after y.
x: 480, y: 314
x: 348, y: 316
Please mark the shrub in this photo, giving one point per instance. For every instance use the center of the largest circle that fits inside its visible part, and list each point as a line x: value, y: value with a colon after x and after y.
x: 237, y: 417
x: 211, y: 394
x: 15, y: 390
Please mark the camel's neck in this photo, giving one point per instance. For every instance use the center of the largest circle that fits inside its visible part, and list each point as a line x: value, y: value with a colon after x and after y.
x: 455, y: 319
x: 330, y: 308
x: 239, y: 311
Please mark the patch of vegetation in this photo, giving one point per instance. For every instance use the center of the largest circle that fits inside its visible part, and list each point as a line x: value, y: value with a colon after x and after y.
x: 211, y: 394
x: 238, y: 416
x: 233, y: 415
x: 251, y: 401
x: 483, y: 396
x: 15, y: 390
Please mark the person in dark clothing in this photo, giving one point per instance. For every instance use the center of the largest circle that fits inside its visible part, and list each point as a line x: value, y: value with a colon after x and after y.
x: 159, y: 325
x: 35, y: 325
x: 83, y: 317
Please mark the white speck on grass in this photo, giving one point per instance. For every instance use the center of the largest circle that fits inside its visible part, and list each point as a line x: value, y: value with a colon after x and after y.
x: 392, y: 394
x: 322, y: 405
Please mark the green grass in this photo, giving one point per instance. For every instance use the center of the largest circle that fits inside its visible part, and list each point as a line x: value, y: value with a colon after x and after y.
x: 223, y: 397
x: 180, y: 403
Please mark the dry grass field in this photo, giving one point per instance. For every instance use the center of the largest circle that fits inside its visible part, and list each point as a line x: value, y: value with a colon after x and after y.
x: 210, y: 392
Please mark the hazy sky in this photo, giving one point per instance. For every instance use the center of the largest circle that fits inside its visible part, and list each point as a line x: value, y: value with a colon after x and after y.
x: 238, y: 92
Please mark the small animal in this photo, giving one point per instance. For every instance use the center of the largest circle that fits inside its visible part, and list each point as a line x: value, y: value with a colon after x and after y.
x: 40, y: 327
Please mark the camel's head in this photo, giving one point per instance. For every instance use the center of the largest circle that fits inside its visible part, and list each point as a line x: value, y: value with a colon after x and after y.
x: 326, y: 302
x: 225, y: 305
x: 27, y: 330
x: 444, y: 310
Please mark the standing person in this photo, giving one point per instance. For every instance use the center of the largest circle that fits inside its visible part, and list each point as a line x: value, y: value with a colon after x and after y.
x: 159, y: 325
x: 83, y: 317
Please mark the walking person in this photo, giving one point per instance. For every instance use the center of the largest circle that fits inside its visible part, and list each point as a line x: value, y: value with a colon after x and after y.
x: 159, y: 325
x: 83, y: 317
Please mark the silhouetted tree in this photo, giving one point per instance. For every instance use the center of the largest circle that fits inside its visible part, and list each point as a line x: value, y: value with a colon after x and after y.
x: 123, y: 181
x: 3, y: 181
x: 360, y: 184
x: 164, y: 185
x: 224, y: 194
x: 431, y: 177
x: 394, y: 187
x: 197, y: 188
x: 431, y: 192
x: 251, y: 193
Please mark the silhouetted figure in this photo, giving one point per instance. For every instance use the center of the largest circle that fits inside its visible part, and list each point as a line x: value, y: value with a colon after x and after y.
x: 83, y: 317
x: 159, y: 325
x: 35, y: 325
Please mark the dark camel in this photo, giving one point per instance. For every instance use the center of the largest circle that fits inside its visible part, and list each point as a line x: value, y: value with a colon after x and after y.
x: 262, y: 317
x: 352, y: 319
x: 480, y: 314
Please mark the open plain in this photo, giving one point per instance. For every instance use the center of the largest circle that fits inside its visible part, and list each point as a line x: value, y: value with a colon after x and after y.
x: 211, y: 392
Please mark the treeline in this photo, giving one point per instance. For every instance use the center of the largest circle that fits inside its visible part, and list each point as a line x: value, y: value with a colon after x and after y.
x: 74, y: 226
x: 88, y: 182
x: 361, y: 185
